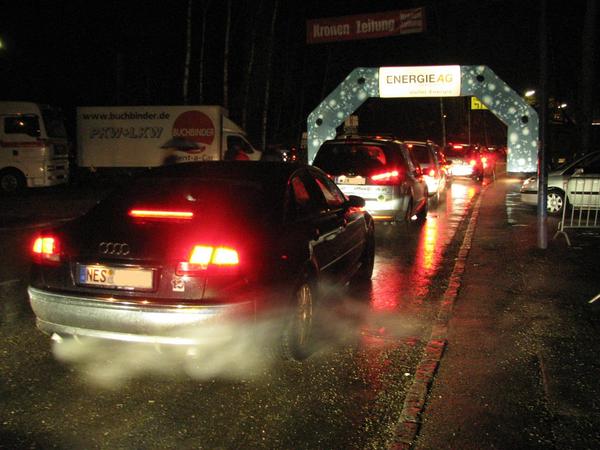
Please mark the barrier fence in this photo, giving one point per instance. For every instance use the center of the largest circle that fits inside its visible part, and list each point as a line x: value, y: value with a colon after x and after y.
x: 582, y: 205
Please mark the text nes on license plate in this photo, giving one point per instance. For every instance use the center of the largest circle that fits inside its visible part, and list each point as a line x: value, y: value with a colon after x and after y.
x: 115, y: 277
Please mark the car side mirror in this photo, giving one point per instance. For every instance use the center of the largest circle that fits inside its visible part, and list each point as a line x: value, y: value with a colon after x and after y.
x: 354, y: 201
x: 579, y: 171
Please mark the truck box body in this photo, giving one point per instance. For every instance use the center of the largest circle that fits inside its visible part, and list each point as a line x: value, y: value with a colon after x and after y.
x: 34, y: 148
x: 149, y: 136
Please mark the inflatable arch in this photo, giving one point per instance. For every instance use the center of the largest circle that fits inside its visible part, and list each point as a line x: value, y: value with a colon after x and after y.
x: 432, y: 81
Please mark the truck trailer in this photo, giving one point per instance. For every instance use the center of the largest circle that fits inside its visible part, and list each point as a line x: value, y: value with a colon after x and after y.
x: 149, y: 136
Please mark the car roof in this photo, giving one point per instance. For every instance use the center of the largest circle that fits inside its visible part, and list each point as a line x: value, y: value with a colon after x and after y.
x: 261, y: 171
x: 364, y: 140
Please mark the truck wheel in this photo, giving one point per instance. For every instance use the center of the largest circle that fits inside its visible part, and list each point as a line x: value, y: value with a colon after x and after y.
x: 11, y: 181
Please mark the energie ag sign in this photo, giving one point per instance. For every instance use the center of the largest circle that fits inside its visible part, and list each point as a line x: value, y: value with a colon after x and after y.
x: 419, y: 81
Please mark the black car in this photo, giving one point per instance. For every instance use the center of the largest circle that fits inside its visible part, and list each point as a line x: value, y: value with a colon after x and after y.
x: 190, y: 244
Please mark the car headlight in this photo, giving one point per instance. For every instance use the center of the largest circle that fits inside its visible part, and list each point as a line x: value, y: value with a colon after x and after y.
x: 529, y: 184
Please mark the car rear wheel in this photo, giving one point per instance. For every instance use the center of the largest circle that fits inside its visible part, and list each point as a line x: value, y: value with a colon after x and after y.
x: 555, y: 202
x: 298, y: 335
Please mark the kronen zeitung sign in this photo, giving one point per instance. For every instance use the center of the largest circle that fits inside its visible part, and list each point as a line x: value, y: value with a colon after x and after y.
x: 365, y: 26
x: 419, y: 81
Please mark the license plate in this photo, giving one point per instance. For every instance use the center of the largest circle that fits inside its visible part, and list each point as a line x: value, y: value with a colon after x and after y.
x: 350, y: 180
x: 116, y: 277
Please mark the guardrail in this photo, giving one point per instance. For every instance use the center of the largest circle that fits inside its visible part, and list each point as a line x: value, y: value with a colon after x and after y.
x: 582, y: 205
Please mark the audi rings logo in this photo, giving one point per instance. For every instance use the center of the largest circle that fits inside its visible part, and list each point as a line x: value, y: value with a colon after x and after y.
x: 114, y: 248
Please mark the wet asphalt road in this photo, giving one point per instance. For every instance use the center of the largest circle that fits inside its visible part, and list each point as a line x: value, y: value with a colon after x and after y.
x: 348, y: 395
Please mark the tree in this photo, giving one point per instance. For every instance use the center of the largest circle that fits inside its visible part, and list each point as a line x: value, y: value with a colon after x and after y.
x: 188, y: 53
x: 205, y: 7
x: 268, y: 82
x: 226, y: 57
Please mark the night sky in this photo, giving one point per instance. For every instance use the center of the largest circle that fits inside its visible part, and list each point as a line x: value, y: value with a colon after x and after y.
x: 76, y: 53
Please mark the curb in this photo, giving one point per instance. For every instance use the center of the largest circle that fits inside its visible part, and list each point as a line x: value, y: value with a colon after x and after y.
x: 414, y: 403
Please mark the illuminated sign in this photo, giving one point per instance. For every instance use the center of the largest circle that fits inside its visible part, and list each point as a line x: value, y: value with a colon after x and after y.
x: 419, y: 81
x: 476, y: 104
x: 365, y: 26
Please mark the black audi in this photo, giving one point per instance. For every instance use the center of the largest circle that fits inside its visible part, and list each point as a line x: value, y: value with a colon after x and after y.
x: 189, y: 245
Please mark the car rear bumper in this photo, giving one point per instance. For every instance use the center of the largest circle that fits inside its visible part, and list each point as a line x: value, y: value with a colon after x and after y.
x: 100, y: 318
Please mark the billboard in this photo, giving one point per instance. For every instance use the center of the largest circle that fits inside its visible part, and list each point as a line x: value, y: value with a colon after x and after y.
x: 365, y: 26
x: 419, y: 81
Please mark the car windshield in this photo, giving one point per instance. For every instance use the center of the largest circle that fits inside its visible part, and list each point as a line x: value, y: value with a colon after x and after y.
x: 353, y: 158
x: 581, y: 162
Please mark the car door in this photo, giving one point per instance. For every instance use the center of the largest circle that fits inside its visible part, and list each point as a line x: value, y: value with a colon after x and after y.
x: 351, y: 237
x: 415, y: 175
x: 311, y: 228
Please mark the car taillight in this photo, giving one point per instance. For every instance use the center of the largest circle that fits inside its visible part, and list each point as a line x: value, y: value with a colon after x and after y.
x: 46, y: 249
x: 484, y: 161
x: 161, y: 214
x: 389, y: 177
x: 472, y: 162
x: 204, y: 256
x: 431, y: 173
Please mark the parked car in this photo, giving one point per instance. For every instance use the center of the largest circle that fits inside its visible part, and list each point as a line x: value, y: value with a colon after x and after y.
x: 465, y: 161
x: 557, y: 182
x: 189, y: 244
x: 433, y: 165
x: 381, y: 170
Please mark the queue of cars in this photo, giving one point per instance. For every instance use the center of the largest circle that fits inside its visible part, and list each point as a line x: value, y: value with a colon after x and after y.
x: 472, y: 161
x: 191, y: 244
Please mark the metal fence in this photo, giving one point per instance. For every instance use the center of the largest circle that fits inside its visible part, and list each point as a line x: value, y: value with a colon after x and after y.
x: 582, y: 205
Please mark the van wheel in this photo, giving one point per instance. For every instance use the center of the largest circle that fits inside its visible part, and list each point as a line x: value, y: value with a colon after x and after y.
x: 11, y: 181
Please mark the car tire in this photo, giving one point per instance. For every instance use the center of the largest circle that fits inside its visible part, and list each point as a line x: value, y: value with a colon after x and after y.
x: 422, y: 214
x: 297, y: 341
x: 367, y: 260
x: 11, y: 181
x: 555, y: 202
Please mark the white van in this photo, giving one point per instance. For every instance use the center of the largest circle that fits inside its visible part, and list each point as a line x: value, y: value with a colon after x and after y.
x: 34, y: 149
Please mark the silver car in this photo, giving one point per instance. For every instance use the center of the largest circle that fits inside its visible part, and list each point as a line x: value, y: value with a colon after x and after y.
x: 383, y: 171
x: 557, y: 182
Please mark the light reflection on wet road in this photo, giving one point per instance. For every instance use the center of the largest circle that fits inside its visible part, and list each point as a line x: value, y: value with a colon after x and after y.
x: 407, y: 262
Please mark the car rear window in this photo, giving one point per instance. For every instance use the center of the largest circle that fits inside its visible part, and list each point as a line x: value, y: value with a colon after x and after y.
x: 460, y: 152
x: 354, y: 158
x: 421, y: 154
x: 205, y: 196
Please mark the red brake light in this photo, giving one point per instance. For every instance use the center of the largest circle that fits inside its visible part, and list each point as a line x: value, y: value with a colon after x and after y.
x: 457, y: 147
x: 472, y: 162
x: 389, y: 177
x: 46, y: 249
x: 432, y: 172
x: 203, y: 256
x: 161, y: 214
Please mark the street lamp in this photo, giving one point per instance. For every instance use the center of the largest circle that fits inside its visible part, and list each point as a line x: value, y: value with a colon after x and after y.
x: 530, y: 93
